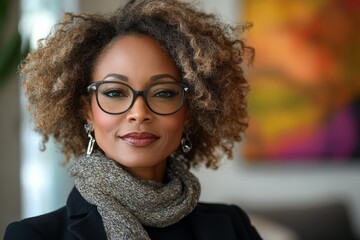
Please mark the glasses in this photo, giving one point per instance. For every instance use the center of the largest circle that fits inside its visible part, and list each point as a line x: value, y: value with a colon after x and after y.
x: 163, y: 98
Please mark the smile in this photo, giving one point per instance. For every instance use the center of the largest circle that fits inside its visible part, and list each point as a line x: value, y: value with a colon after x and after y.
x: 139, y: 139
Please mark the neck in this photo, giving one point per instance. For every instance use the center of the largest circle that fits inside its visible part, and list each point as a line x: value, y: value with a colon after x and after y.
x: 155, y: 173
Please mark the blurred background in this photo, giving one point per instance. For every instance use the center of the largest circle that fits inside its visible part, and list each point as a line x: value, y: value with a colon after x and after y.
x: 297, y: 171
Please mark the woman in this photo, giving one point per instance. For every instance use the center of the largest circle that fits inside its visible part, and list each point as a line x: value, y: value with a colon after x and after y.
x: 159, y: 88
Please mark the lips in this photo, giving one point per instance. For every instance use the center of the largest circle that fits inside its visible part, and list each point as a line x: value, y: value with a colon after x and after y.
x: 139, y: 139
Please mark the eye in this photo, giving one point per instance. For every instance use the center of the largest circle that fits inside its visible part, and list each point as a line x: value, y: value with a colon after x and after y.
x: 165, y: 93
x: 114, y: 93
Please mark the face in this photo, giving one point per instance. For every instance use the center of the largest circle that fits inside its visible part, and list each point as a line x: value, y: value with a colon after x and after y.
x: 138, y: 139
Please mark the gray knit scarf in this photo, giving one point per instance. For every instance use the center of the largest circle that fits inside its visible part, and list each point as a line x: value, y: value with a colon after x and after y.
x: 126, y: 203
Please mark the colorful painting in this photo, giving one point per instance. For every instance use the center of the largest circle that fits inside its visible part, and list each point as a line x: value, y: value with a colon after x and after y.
x: 305, y: 83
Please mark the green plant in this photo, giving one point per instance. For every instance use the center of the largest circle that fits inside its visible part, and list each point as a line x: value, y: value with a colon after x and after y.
x: 10, y: 48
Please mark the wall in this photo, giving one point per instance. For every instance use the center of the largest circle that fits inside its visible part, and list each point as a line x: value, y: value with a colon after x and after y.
x: 10, y: 157
x: 95, y: 6
x: 9, y: 139
x: 267, y: 187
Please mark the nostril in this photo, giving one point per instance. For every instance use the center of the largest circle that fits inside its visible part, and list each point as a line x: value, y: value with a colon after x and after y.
x: 139, y: 120
x: 139, y: 112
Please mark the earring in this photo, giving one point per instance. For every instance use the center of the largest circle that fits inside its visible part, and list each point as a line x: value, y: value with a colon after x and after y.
x: 186, y: 144
x: 89, y: 128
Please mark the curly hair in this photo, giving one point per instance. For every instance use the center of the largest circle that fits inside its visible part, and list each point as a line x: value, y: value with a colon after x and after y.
x: 208, y: 53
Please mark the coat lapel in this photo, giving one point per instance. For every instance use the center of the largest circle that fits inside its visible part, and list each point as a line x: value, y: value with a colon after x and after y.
x: 84, y: 220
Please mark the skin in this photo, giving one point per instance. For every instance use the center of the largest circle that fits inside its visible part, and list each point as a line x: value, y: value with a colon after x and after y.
x: 138, y: 59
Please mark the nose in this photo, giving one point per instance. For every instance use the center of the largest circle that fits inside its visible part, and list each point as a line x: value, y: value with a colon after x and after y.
x: 139, y: 112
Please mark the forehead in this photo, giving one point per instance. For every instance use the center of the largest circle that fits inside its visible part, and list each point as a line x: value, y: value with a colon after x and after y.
x: 134, y: 56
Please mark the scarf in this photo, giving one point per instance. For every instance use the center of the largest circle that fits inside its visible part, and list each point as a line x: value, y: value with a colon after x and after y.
x: 125, y: 203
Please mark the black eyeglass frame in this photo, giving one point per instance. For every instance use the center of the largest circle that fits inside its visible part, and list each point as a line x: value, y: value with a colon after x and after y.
x: 95, y: 86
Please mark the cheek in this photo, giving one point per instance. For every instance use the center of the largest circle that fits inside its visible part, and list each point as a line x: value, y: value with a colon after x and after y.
x: 103, y: 122
x: 175, y: 125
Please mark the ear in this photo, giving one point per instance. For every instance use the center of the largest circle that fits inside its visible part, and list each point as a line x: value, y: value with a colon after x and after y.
x: 88, y: 113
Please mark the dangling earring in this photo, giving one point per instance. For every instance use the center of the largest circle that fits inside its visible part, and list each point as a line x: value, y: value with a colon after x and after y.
x: 186, y: 144
x: 89, y: 128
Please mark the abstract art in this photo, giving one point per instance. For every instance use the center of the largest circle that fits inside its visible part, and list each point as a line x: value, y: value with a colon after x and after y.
x: 304, y: 101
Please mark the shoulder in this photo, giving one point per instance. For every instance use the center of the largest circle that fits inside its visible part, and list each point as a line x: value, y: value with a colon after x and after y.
x: 47, y: 226
x: 232, y: 215
x: 233, y: 211
x: 219, y: 208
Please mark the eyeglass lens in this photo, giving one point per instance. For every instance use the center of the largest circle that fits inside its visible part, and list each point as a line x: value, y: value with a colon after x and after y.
x: 162, y: 98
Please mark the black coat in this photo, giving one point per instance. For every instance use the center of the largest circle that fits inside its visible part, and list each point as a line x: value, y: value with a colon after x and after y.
x: 80, y: 220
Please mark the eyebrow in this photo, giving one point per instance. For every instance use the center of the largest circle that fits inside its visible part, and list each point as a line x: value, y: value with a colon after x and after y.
x: 118, y: 76
x: 152, y: 78
x: 160, y: 76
